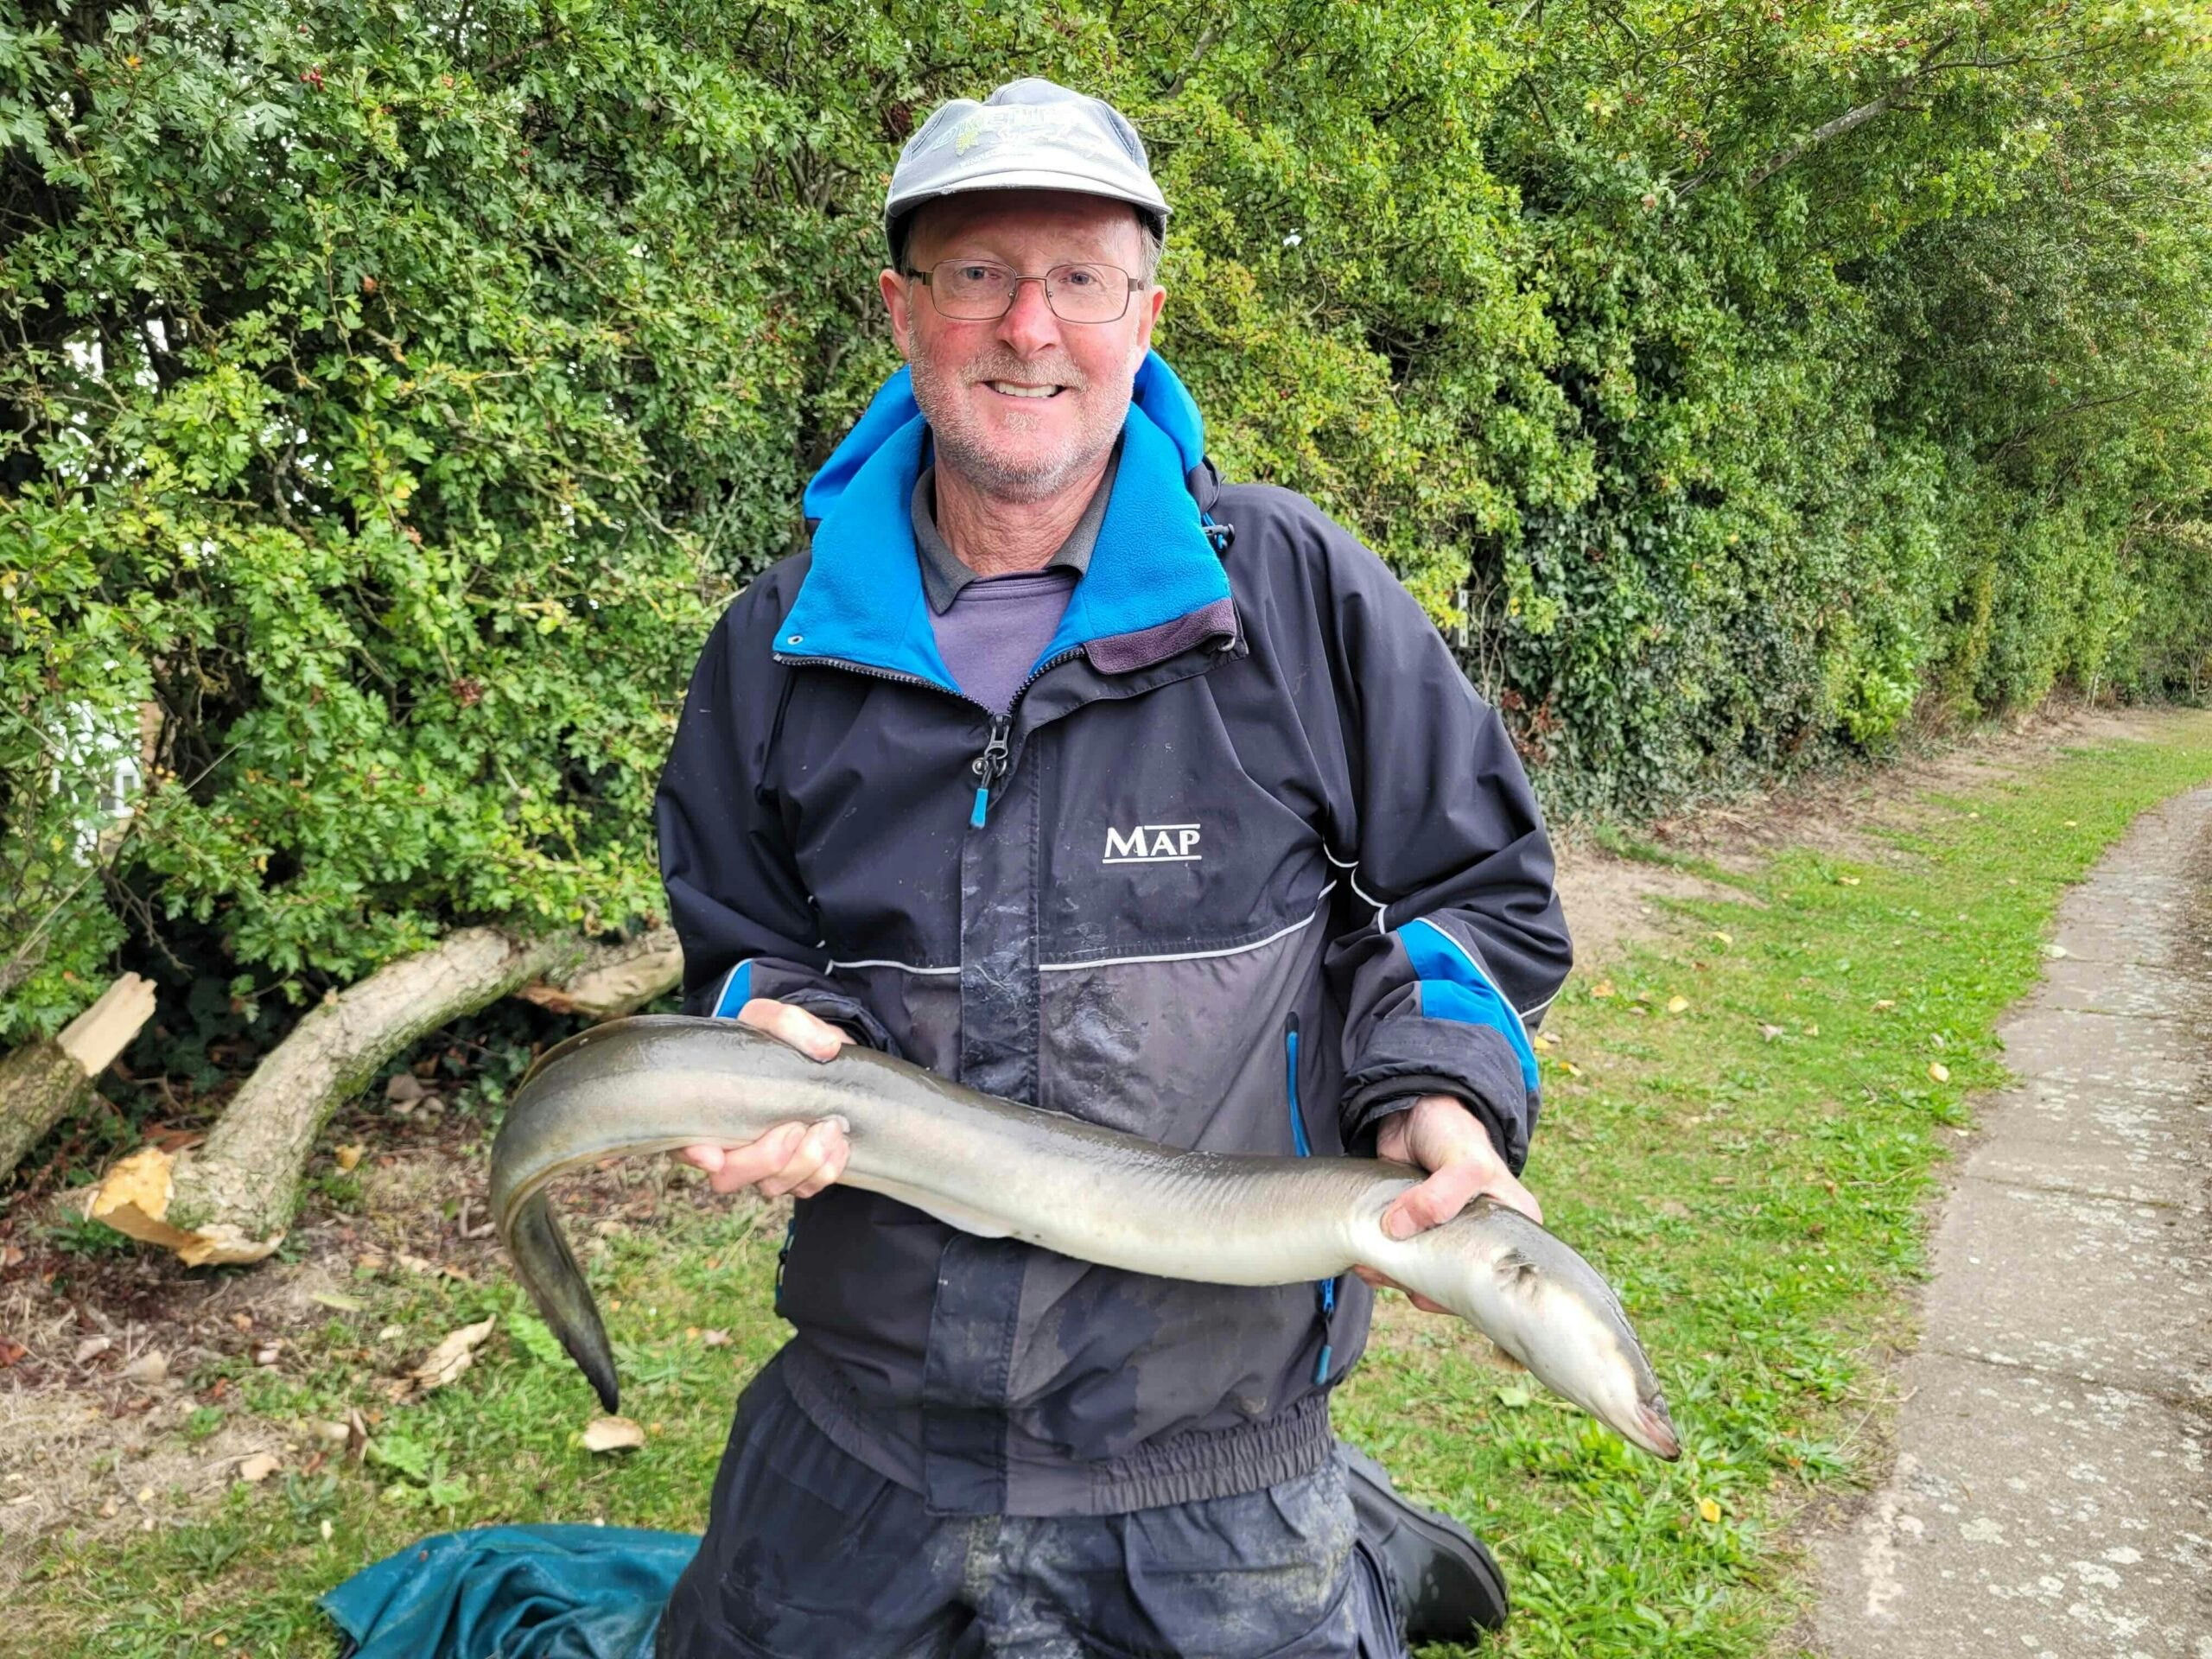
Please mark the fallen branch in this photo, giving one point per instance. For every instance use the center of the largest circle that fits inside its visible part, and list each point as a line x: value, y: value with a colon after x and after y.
x: 43, y: 1083
x: 232, y: 1199
x: 612, y: 980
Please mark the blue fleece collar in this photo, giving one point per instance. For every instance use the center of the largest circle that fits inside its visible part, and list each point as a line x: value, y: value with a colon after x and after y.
x: 862, y: 602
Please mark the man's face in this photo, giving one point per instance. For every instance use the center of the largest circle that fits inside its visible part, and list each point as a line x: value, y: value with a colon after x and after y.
x: 979, y: 383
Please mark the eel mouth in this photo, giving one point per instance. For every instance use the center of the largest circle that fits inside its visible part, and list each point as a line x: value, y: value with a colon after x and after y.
x: 1659, y: 1437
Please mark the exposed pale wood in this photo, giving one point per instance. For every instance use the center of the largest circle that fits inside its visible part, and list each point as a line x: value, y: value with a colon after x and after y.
x: 43, y: 1082
x: 95, y: 1037
x: 614, y: 980
x: 232, y: 1199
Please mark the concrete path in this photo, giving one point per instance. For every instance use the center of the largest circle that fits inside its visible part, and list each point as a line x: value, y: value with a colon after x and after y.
x: 2052, y: 1494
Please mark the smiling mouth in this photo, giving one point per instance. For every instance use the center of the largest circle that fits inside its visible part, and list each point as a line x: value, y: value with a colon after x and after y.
x: 1016, y: 389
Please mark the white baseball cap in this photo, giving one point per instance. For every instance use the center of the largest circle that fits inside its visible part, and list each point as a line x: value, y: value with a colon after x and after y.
x: 1029, y: 135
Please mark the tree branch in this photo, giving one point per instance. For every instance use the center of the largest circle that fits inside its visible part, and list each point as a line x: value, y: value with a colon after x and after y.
x: 1209, y: 37
x: 1849, y: 121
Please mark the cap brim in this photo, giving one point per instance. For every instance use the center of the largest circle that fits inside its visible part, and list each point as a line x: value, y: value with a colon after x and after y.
x: 1082, y: 184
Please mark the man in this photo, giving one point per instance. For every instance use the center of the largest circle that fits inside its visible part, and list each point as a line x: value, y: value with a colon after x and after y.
x: 1062, y: 768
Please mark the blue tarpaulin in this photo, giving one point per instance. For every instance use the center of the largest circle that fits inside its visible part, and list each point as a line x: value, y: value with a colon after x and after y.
x: 515, y: 1593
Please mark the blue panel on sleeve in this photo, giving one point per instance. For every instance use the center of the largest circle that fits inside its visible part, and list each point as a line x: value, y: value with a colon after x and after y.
x: 736, y: 992
x: 1454, y: 986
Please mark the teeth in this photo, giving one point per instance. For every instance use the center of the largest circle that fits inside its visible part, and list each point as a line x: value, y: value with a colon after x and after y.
x: 1013, y: 390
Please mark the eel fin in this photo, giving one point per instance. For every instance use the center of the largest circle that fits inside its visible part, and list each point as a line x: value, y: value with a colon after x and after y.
x: 549, y: 1270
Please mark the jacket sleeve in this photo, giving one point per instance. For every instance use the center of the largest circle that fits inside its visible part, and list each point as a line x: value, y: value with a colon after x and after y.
x: 1464, y: 944
x: 735, y: 896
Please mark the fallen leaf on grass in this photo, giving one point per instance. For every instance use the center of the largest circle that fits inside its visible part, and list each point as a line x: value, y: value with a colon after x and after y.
x: 93, y: 1347
x: 1846, y: 880
x: 350, y: 1155
x: 258, y: 1467
x: 419, y: 1264
x: 1769, y: 1032
x: 1603, y: 987
x: 1720, y: 938
x: 1938, y: 1071
x: 333, y: 1299
x: 1678, y: 1005
x: 452, y: 1356
x: 150, y: 1367
x: 11, y: 1350
x: 1708, y: 1511
x: 612, y: 1434
x: 1884, y: 1005
x: 715, y: 1339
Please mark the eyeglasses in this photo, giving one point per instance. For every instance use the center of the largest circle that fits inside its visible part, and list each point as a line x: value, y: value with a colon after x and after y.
x: 975, y: 290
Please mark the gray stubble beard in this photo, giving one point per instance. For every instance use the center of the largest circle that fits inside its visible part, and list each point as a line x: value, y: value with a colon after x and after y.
x: 969, y: 453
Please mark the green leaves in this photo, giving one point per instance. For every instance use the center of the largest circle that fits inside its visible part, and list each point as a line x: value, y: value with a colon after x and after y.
x: 385, y: 414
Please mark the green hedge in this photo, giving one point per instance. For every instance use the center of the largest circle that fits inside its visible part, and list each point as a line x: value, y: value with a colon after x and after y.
x: 391, y: 395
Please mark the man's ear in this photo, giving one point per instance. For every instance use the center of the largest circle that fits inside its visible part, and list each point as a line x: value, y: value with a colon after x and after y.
x: 1148, y: 316
x: 898, y: 300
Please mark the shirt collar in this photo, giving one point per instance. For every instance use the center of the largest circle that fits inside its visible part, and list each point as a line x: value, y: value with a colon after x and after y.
x: 943, y: 573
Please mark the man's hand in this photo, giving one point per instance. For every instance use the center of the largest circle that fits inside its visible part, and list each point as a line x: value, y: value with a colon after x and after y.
x: 800, y: 1159
x: 1438, y: 1133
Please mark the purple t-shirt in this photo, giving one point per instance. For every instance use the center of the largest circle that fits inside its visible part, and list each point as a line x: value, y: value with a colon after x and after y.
x: 996, y: 628
x: 990, y: 630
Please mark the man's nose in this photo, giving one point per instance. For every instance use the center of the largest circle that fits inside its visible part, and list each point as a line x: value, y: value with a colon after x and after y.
x: 1029, y: 325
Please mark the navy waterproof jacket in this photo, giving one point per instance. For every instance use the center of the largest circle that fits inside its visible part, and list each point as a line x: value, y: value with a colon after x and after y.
x: 1248, y: 866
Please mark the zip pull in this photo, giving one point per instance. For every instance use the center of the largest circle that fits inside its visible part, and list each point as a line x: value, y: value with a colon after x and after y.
x: 991, y: 766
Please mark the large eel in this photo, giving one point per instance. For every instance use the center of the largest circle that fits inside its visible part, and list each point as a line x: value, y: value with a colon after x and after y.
x: 1000, y: 1170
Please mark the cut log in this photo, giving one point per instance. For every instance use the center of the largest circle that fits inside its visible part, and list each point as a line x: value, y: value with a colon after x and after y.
x: 43, y: 1082
x: 614, y: 980
x: 232, y: 1199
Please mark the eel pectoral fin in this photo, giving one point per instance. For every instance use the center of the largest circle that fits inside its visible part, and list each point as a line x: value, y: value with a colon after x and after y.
x: 549, y: 1270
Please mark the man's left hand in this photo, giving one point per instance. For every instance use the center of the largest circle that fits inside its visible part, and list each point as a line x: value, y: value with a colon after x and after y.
x: 1438, y: 1133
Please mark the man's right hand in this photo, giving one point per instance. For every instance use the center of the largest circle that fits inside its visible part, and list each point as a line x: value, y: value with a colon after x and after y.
x: 800, y: 1159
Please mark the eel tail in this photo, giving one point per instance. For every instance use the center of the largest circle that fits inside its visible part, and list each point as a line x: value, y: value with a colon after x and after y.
x: 548, y: 1270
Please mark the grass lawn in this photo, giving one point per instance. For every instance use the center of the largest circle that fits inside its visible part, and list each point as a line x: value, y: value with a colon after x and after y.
x: 1742, y: 1127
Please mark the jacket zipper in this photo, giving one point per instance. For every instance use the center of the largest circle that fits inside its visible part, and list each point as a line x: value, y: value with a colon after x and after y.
x: 990, y: 766
x: 1325, y: 1289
